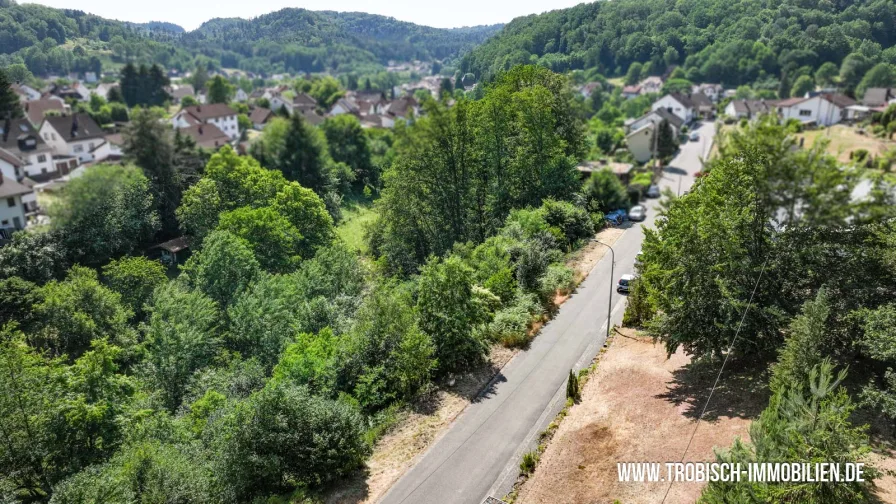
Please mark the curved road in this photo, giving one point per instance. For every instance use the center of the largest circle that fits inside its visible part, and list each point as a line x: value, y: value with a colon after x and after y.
x: 479, y: 455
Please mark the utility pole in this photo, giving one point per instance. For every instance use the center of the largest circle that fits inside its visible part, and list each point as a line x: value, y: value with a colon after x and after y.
x: 610, y: 299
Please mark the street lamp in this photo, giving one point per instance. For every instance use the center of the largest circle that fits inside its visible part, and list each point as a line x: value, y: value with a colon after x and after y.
x: 610, y: 300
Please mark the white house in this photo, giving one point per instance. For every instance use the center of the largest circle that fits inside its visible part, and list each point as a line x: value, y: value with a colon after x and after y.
x: 77, y: 135
x: 219, y: 114
x: 241, y: 96
x: 12, y: 168
x: 20, y: 138
x: 656, y: 117
x: 678, y: 104
x: 823, y: 109
x: 652, y: 84
x: 712, y: 91
x: 640, y: 142
x: 344, y: 106
x: 279, y: 101
x: 28, y: 92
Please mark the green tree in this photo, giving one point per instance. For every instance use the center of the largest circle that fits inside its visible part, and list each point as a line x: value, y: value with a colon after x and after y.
x: 827, y: 74
x: 220, y: 90
x: 148, y: 144
x: 134, y: 279
x: 385, y: 356
x: 633, y: 76
x: 272, y: 238
x: 35, y: 255
x: 348, y: 143
x: 784, y: 86
x: 802, y: 85
x: 666, y: 144
x: 852, y: 70
x: 604, y: 192
x: 181, y: 338
x: 223, y: 268
x: 77, y: 311
x: 284, y: 437
x: 105, y: 213
x: 10, y: 107
x: 806, y: 421
x: 200, y: 77
x: 677, y: 86
x: 446, y: 313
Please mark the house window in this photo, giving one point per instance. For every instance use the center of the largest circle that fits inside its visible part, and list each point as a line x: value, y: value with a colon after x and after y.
x: 46, y: 136
x: 805, y: 113
x: 91, y: 145
x: 11, y: 202
x: 53, y: 135
x: 43, y: 170
x: 42, y: 158
x: 78, y: 148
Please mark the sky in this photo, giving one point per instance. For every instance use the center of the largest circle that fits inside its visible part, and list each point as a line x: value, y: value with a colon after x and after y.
x: 191, y: 14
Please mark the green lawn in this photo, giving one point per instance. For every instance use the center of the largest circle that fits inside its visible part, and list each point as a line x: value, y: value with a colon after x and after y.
x: 355, y: 217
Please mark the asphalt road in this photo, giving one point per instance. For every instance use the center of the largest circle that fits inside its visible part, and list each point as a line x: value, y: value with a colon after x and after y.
x: 479, y: 455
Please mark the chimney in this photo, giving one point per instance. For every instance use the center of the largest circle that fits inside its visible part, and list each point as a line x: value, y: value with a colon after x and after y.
x: 200, y: 130
x: 199, y: 108
x: 74, y: 131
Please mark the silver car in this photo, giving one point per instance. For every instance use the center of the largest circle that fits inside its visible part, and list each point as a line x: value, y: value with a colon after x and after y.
x: 653, y: 191
x: 637, y: 213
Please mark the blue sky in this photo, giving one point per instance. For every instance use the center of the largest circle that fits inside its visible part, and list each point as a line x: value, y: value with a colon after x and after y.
x: 190, y: 14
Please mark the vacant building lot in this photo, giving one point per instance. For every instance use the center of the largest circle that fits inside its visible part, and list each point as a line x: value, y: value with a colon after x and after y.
x: 640, y: 406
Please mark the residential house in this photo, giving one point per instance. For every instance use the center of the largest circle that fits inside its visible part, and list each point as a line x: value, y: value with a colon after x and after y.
x: 402, y: 108
x: 36, y: 110
x: 656, y: 117
x: 750, y: 109
x: 26, y: 92
x: 77, y: 135
x: 344, y: 106
x: 311, y: 116
x: 206, y: 135
x: 181, y: 91
x: 621, y: 170
x: 589, y: 88
x: 76, y: 90
x: 19, y: 137
x: 90, y: 77
x: 115, y: 147
x: 712, y: 91
x: 640, y: 142
x: 633, y: 91
x: 219, y: 114
x: 12, y: 167
x: 260, y: 117
x: 652, y: 84
x: 878, y: 97
x: 304, y: 101
x: 103, y: 89
x: 12, y: 206
x: 703, y: 105
x: 241, y: 96
x: 823, y: 110
x: 679, y: 104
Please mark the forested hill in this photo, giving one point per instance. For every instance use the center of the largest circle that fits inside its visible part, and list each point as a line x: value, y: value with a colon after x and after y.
x: 57, y: 41
x: 384, y: 38
x: 727, y: 41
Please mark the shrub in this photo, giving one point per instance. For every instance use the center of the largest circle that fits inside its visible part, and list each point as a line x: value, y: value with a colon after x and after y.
x: 637, y: 311
x: 558, y: 278
x: 511, y: 326
x: 502, y: 284
x: 530, y: 460
x: 573, y: 221
x: 572, y: 387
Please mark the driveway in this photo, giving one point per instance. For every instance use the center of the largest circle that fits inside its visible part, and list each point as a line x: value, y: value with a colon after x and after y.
x: 479, y: 455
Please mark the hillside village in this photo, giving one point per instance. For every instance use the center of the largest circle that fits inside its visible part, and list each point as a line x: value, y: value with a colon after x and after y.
x: 327, y: 257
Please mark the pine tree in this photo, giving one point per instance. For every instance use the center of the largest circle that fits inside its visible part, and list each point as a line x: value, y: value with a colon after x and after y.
x: 9, y: 101
x: 666, y: 145
x: 304, y: 157
x: 130, y: 84
x: 572, y: 387
x: 784, y: 87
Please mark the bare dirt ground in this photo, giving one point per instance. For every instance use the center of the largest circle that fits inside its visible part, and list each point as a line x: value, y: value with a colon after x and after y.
x: 639, y: 406
x: 416, y: 430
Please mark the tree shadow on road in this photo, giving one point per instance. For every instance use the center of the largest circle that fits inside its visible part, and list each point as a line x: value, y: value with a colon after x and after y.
x: 742, y: 390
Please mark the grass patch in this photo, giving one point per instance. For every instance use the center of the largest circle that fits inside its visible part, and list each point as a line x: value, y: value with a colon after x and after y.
x: 845, y: 139
x: 357, y: 213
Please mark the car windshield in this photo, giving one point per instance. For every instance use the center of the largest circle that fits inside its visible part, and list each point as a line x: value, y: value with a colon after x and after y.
x: 623, y: 281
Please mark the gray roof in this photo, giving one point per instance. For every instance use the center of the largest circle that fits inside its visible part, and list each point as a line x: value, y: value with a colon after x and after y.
x: 9, y: 187
x: 875, y: 97
x: 18, y: 128
x: 671, y: 118
x: 11, y: 158
x: 65, y: 126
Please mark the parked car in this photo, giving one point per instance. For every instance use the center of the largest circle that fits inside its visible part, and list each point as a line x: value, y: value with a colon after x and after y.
x: 694, y: 136
x: 637, y: 213
x: 653, y: 191
x: 639, y: 259
x: 625, y: 283
x: 616, y: 217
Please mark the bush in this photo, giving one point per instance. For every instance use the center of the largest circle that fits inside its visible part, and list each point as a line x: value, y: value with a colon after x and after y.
x: 530, y: 460
x: 637, y: 311
x: 572, y: 387
x: 283, y: 437
x: 558, y: 278
x: 511, y: 326
x: 573, y: 221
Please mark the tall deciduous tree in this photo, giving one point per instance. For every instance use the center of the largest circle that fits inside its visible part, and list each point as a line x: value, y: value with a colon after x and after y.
x: 10, y: 107
x: 220, y: 91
